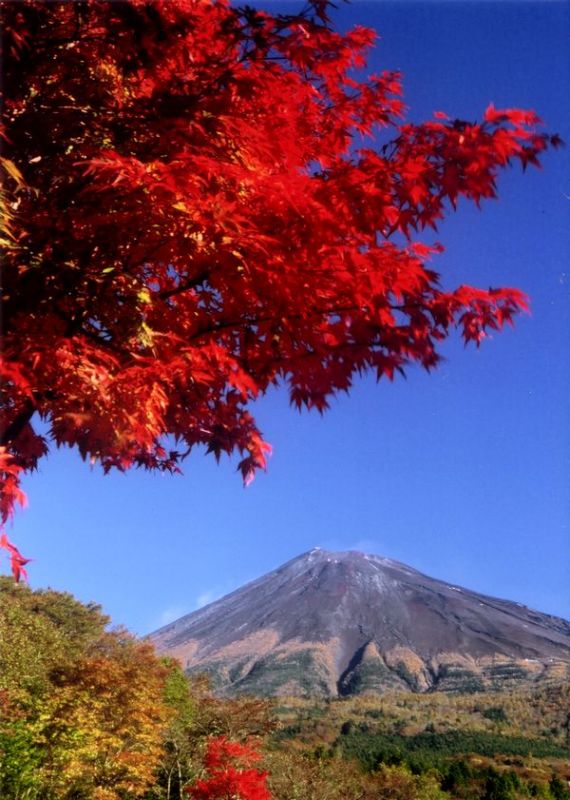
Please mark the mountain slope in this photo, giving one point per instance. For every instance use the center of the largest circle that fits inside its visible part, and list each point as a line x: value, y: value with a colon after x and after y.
x: 343, y: 623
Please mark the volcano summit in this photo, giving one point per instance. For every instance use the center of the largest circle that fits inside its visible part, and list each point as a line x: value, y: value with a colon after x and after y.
x: 332, y: 624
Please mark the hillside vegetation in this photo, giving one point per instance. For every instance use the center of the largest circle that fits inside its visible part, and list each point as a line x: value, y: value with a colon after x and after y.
x: 92, y: 713
x: 498, y: 746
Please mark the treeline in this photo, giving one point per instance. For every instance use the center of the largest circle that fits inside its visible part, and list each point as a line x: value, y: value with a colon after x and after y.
x: 430, y: 749
x: 88, y: 713
x: 460, y: 779
x: 83, y: 711
x: 461, y: 764
x: 91, y: 713
x: 540, y: 713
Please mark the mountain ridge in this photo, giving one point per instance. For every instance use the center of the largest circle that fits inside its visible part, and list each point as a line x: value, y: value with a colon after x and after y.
x: 331, y: 623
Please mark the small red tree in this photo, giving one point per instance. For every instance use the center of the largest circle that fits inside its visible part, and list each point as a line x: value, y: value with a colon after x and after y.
x: 230, y: 774
x: 197, y: 205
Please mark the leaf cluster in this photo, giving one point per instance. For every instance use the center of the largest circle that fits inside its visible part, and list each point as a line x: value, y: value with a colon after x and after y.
x: 198, y: 206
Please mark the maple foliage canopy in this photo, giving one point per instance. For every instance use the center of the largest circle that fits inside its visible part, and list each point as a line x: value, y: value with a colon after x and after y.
x: 200, y: 201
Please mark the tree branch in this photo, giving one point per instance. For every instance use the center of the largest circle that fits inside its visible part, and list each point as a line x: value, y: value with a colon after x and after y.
x: 15, y: 428
x: 184, y: 287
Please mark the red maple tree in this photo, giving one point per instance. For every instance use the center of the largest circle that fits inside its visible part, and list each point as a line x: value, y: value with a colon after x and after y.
x: 200, y: 201
x: 230, y: 773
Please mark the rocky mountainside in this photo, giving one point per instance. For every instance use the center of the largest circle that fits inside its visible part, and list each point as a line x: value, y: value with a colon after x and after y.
x: 345, y: 623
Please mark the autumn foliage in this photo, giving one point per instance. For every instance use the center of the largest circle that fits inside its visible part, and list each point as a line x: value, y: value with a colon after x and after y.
x: 88, y: 712
x: 230, y: 773
x: 200, y: 201
x: 81, y: 708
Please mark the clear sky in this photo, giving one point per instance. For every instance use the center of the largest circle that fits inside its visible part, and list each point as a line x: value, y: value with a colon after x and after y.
x: 462, y: 474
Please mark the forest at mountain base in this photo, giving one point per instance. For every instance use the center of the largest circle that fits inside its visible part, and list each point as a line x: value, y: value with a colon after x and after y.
x: 89, y: 712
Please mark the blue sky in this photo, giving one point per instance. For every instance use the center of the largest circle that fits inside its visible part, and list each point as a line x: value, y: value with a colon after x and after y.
x: 462, y: 474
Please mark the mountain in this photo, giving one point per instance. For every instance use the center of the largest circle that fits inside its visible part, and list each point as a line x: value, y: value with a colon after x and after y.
x: 334, y: 624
